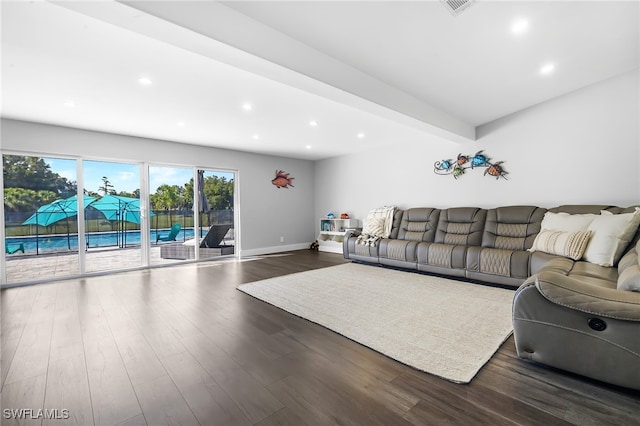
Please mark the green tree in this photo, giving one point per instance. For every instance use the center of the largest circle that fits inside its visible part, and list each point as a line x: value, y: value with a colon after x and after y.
x: 30, y: 183
x: 107, y: 187
x: 25, y: 200
x: 134, y: 194
x: 217, y: 189
x: 219, y: 192
x: 169, y: 198
x: 34, y: 173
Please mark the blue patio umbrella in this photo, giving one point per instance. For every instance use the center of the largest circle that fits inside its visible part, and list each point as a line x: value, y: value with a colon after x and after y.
x: 56, y: 211
x: 120, y: 209
x: 116, y: 207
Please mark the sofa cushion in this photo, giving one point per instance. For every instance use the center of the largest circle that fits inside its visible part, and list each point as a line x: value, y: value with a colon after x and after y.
x: 566, y: 244
x: 629, y: 269
x: 403, y: 250
x: 584, y: 209
x: 461, y: 226
x: 611, y: 234
x: 419, y: 224
x: 629, y: 280
x: 540, y: 261
x: 512, y: 227
x: 591, y: 270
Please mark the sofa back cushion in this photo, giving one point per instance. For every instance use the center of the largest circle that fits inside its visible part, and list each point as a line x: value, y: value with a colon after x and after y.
x: 461, y: 226
x: 419, y: 224
x: 584, y: 209
x: 629, y: 270
x: 395, y: 225
x: 512, y: 227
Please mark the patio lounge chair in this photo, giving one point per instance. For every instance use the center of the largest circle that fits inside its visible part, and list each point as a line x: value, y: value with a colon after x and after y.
x: 215, y: 236
x: 209, y: 246
x: 172, y: 234
x: 8, y: 250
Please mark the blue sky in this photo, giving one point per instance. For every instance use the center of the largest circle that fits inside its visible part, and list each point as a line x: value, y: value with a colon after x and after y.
x: 123, y: 177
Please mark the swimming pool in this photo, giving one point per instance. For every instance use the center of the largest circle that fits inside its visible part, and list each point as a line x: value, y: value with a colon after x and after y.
x: 59, y: 243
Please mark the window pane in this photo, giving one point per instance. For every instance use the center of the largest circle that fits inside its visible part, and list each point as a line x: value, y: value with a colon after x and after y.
x: 112, y: 220
x: 171, y: 204
x: 216, y: 191
x: 41, y: 210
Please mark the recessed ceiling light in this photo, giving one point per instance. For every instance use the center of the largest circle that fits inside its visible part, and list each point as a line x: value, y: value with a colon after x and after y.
x: 181, y: 123
x: 145, y: 81
x: 547, y: 69
x: 247, y: 107
x: 256, y: 136
x: 520, y: 26
x: 360, y: 135
x: 313, y: 123
x: 308, y: 147
x: 70, y: 104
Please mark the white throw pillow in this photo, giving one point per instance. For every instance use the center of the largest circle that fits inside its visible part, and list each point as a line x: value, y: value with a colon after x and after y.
x: 374, y: 226
x: 560, y: 243
x: 566, y: 222
x: 386, y: 214
x: 611, y: 235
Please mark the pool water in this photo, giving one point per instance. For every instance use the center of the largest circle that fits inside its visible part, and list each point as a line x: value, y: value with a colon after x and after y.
x: 60, y: 243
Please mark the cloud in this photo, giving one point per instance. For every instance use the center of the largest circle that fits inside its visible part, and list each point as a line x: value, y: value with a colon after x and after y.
x: 126, y: 176
x: 159, y: 175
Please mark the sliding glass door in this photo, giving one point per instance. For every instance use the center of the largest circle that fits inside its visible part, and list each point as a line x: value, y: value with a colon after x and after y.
x: 40, y: 218
x: 112, y: 220
x: 172, y: 220
x: 216, y: 213
x: 51, y: 233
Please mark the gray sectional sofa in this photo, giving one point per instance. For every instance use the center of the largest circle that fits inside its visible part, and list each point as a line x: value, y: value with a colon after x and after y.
x: 567, y: 313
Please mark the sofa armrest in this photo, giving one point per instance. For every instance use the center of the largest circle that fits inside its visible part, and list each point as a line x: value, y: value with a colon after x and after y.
x: 353, y: 232
x: 579, y: 294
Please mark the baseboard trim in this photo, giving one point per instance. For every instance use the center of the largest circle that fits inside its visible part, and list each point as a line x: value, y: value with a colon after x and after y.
x: 274, y: 249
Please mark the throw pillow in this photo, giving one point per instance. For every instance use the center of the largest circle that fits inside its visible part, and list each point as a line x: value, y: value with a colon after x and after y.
x: 611, y: 235
x: 560, y: 243
x: 385, y: 213
x: 566, y: 221
x: 374, y: 226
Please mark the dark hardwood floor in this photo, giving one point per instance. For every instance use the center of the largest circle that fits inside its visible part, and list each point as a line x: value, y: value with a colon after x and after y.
x: 182, y: 346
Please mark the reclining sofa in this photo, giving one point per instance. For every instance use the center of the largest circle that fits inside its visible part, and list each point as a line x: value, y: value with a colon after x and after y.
x: 567, y: 313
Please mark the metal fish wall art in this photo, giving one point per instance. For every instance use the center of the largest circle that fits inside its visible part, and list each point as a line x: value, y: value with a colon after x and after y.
x: 282, y: 180
x: 462, y: 163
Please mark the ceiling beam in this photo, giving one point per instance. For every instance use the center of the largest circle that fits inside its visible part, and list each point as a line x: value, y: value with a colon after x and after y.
x: 211, y: 29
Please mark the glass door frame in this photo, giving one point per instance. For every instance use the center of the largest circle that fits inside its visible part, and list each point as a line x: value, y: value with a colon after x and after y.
x: 145, y: 225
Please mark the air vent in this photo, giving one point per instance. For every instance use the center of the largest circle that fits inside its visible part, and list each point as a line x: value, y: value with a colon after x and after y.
x: 456, y: 7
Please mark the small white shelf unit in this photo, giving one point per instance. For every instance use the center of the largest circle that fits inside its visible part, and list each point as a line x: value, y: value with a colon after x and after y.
x: 332, y: 233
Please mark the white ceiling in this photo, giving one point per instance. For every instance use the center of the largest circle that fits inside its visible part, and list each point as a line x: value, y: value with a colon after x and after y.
x: 395, y: 71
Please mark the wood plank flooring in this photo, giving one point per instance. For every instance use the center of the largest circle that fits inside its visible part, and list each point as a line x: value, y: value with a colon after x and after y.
x: 181, y: 346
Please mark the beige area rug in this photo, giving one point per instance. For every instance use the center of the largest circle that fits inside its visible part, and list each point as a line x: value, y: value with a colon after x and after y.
x: 443, y: 327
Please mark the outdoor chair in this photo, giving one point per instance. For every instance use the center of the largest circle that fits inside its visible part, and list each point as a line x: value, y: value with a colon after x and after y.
x: 8, y: 250
x: 172, y: 234
x: 215, y: 236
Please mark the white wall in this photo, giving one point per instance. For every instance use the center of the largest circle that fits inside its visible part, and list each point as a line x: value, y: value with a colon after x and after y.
x: 580, y: 148
x: 266, y: 213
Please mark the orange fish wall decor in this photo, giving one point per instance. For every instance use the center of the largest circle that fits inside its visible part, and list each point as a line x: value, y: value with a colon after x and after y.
x: 282, y: 180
